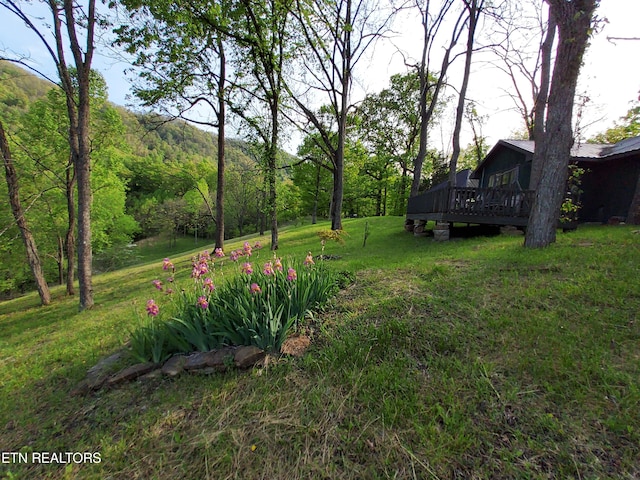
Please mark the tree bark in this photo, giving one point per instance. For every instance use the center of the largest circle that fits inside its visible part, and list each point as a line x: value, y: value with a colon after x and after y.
x: 78, y: 110
x: 338, y: 185
x: 82, y: 157
x: 345, y: 84
x: 262, y: 205
x: 574, y: 25
x: 85, y: 197
x: 221, y: 151
x: 271, y: 175
x: 474, y: 10
x: 70, y: 241
x: 540, y: 105
x: 60, y: 260
x: 18, y: 214
x: 428, y: 104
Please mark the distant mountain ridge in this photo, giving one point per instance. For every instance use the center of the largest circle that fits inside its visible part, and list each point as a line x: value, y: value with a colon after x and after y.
x: 145, y: 132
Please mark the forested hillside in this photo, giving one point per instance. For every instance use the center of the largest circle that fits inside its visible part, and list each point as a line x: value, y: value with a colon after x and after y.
x: 153, y: 177
x: 150, y: 177
x: 144, y: 133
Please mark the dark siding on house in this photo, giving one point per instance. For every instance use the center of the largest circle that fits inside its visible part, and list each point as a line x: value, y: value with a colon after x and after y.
x: 506, y: 159
x: 608, y: 188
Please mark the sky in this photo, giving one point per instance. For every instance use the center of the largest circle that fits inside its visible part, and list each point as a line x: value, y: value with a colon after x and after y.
x: 610, y: 75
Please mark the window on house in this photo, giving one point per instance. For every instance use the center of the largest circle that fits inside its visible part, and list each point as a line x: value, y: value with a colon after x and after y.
x: 504, y: 179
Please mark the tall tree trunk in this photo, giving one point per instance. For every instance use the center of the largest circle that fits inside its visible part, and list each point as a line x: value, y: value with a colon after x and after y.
x: 338, y: 187
x: 428, y: 105
x: 83, y: 172
x: 82, y: 157
x: 70, y: 241
x: 424, y: 129
x: 401, y: 201
x: 384, y: 201
x: 540, y: 105
x: 271, y: 173
x: 338, y: 161
x: 425, y: 117
x: 314, y: 214
x: 574, y: 25
x: 262, y: 205
x: 21, y: 221
x: 60, y: 260
x: 221, y: 151
x: 474, y: 10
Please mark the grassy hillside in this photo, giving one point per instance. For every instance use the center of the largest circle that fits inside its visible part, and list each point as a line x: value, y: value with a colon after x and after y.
x: 474, y: 358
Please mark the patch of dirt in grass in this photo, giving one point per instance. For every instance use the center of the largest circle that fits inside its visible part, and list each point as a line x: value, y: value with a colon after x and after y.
x: 296, y: 345
x: 402, y: 283
x: 455, y: 263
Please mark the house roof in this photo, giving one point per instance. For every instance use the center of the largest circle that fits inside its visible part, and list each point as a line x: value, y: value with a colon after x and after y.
x: 525, y: 145
x: 591, y: 152
x: 588, y: 150
x: 581, y: 150
x: 462, y: 180
x: 627, y: 145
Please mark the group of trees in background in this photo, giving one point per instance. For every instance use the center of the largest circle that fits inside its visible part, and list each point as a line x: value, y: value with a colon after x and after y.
x: 72, y: 32
x: 267, y: 68
x: 151, y: 177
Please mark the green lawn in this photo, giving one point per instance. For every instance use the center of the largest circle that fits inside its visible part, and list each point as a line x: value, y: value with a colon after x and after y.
x: 473, y: 358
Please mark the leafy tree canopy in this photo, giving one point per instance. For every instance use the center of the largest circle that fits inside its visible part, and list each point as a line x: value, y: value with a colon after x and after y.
x: 629, y: 126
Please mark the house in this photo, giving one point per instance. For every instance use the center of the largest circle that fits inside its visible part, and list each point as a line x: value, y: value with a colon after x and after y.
x: 500, y: 193
x: 608, y: 184
x: 611, y: 183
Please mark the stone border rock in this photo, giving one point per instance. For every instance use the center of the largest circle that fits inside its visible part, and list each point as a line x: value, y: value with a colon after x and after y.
x: 214, y: 361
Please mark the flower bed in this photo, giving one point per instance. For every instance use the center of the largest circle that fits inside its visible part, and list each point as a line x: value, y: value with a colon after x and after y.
x: 258, y: 306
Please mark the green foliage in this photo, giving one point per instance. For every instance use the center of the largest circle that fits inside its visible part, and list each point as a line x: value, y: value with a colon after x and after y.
x: 244, y: 197
x: 313, y: 177
x: 115, y: 257
x: 18, y: 89
x: 192, y: 334
x: 389, y: 120
x: 472, y: 155
x: 288, y: 201
x: 388, y: 124
x: 143, y: 167
x: 628, y: 127
x: 149, y: 341
x: 332, y: 235
x: 571, y: 203
x: 247, y: 318
x: 167, y: 180
x: 42, y: 158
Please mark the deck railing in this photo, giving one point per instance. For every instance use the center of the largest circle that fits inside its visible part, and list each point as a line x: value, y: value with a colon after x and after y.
x: 482, y: 202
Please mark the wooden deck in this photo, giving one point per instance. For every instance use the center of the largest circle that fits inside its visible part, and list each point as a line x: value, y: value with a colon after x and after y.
x: 492, y: 206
